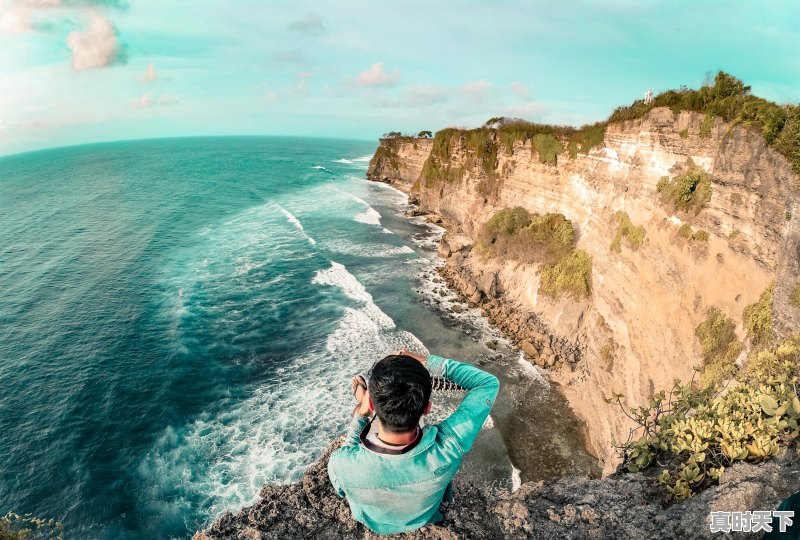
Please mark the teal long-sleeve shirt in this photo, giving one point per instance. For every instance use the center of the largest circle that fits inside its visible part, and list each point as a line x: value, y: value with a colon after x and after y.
x: 394, y: 493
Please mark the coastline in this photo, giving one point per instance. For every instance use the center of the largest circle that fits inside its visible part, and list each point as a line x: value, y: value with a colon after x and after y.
x: 532, y: 433
x: 522, y: 333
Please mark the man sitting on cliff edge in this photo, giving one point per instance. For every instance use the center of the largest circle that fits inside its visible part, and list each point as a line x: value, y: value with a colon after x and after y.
x: 393, y: 473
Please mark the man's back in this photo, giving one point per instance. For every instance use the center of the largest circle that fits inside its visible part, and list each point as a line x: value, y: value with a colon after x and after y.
x: 394, y: 490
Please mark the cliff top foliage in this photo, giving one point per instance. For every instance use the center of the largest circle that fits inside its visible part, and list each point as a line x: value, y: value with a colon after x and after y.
x: 726, y: 97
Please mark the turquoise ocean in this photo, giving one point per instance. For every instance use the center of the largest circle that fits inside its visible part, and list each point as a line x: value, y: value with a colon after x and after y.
x: 180, y: 318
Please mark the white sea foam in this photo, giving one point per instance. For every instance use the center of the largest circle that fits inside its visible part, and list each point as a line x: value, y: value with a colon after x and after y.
x: 516, y: 478
x: 343, y: 160
x: 296, y: 222
x: 363, y: 158
x: 272, y: 433
x: 320, y: 167
x: 369, y: 216
x: 531, y: 370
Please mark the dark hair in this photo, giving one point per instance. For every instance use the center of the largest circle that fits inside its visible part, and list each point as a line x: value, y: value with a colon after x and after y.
x: 400, y: 388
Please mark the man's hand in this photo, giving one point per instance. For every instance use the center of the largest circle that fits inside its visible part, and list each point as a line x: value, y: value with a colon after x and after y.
x: 364, y: 409
x: 415, y: 356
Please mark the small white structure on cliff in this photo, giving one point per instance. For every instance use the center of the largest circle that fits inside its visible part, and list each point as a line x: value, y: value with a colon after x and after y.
x: 648, y: 96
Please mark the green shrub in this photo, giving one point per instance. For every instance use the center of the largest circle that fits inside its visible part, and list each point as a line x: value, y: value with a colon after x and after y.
x: 706, y: 125
x: 548, y: 148
x: 571, y: 275
x: 585, y: 139
x: 702, y: 236
x: 794, y: 298
x: 607, y: 352
x: 729, y: 99
x: 516, y: 234
x: 685, y: 231
x: 734, y: 233
x: 634, y: 235
x: 758, y: 318
x: 720, y: 348
x: 736, y: 199
x: 688, y: 193
x: 684, y: 133
x: 696, y: 434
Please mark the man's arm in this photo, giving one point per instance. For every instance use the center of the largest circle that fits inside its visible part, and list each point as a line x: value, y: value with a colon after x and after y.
x: 482, y: 389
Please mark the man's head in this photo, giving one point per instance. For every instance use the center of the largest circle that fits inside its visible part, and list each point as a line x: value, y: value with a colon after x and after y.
x: 400, y: 392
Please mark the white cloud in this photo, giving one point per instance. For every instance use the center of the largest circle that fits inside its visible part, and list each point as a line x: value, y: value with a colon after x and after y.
x: 96, y: 46
x: 520, y: 90
x: 310, y: 24
x: 428, y: 94
x: 16, y: 16
x: 300, y: 88
x: 377, y: 76
x: 149, y: 74
x: 476, y: 91
x: 147, y: 100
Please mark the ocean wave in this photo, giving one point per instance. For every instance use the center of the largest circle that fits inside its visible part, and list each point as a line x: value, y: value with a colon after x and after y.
x: 369, y: 216
x: 296, y: 222
x: 343, y: 160
x: 321, y: 168
x: 269, y: 436
x: 363, y: 158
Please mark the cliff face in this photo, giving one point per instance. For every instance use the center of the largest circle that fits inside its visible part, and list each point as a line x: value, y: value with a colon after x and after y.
x: 636, y: 331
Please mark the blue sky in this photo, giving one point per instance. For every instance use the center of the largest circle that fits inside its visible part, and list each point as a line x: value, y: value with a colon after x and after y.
x: 77, y: 71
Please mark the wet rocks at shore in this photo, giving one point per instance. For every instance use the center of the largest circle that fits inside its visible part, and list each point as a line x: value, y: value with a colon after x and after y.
x: 525, y: 329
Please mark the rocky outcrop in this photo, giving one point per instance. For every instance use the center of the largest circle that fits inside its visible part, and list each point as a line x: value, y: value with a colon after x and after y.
x: 399, y: 161
x: 636, y: 332
x: 624, y: 506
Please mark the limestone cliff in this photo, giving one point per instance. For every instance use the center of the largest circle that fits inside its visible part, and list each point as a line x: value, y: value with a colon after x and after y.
x: 635, y: 333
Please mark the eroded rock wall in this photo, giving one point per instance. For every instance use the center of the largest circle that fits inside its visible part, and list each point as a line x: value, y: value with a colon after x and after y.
x: 645, y: 304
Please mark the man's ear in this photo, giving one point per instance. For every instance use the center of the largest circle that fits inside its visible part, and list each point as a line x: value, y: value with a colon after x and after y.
x: 427, y: 408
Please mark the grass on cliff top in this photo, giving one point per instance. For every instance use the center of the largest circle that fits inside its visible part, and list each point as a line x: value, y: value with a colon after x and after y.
x: 633, y: 234
x: 727, y: 98
x: 730, y: 99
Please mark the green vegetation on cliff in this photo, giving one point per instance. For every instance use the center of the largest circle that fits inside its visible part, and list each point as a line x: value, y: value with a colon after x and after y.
x: 729, y: 99
x: 515, y: 233
x: 633, y: 234
x: 688, y: 192
x: 794, y: 298
x: 549, y: 239
x: 694, y: 434
x: 758, y: 318
x: 720, y: 348
x: 572, y: 275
